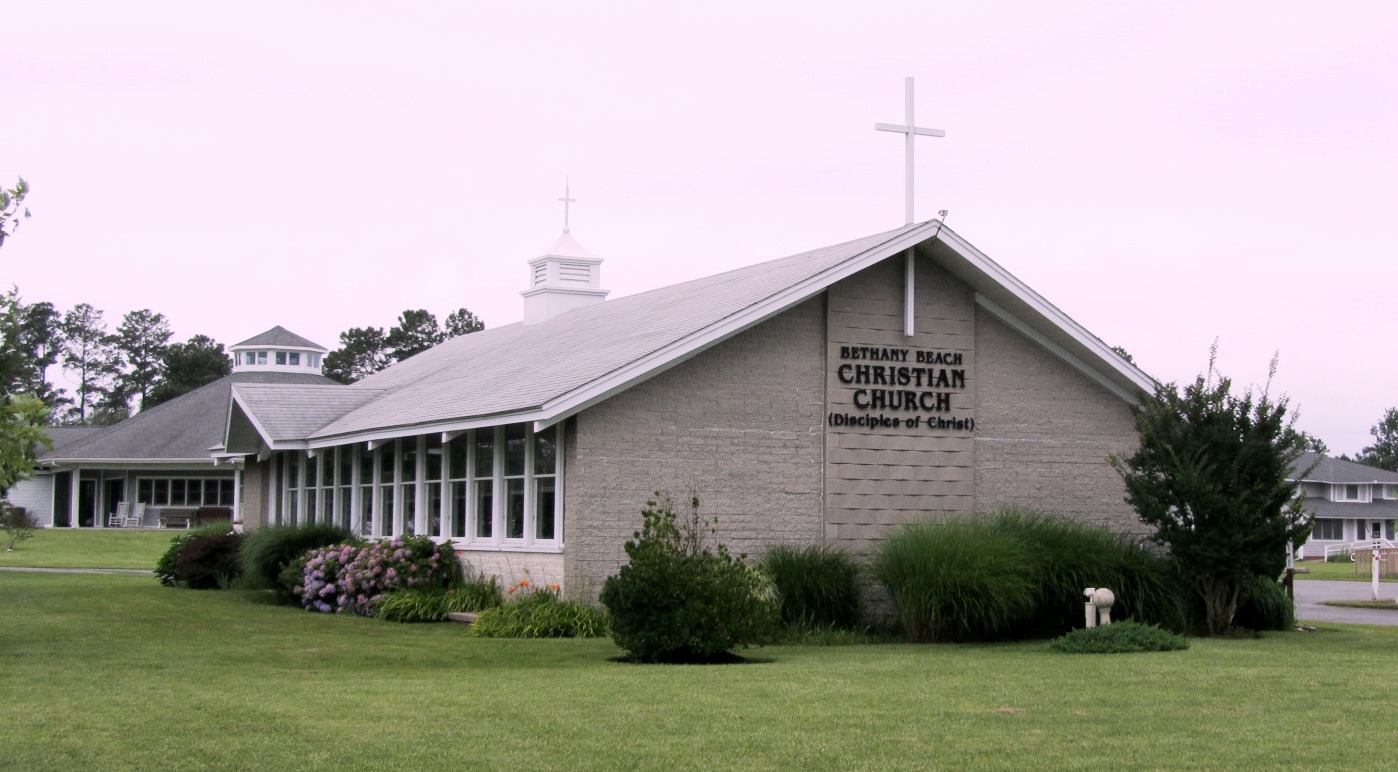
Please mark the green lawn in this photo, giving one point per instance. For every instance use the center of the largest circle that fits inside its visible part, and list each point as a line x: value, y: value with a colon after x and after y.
x: 116, y: 672
x: 89, y: 548
x: 1345, y: 571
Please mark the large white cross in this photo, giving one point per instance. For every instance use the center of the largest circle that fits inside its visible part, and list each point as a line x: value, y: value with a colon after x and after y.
x: 909, y: 129
x: 909, y: 266
x: 566, y: 201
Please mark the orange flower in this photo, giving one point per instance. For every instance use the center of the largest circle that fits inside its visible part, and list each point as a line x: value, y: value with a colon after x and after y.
x: 524, y: 583
x: 512, y: 589
x: 553, y: 587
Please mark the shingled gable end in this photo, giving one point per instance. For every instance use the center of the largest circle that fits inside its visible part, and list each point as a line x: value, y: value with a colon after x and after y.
x: 785, y: 395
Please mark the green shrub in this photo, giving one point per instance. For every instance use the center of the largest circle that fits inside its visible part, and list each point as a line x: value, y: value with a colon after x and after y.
x: 1119, y: 638
x: 17, y: 524
x: 268, y: 550
x: 540, y: 614
x: 957, y: 580
x: 679, y: 600
x: 1263, y: 605
x: 818, y: 586
x: 165, y: 566
x: 1019, y: 574
x: 433, y: 605
x: 208, y: 561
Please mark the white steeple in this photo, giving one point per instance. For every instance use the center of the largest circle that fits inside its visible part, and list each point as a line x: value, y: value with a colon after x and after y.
x: 564, y: 278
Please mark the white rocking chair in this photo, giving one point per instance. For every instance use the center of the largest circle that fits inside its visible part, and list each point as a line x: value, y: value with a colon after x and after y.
x: 138, y: 515
x: 117, y: 518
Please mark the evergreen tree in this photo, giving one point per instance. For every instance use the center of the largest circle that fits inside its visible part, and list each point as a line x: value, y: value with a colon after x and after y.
x: 1384, y: 452
x: 415, y: 332
x: 187, y: 366
x: 89, y: 356
x: 140, y: 341
x: 12, y: 208
x: 1211, y: 477
x: 363, y: 351
x: 462, y: 322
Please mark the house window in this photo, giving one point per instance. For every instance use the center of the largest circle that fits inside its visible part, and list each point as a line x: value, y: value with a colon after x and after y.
x: 237, y: 358
x: 1351, y: 492
x: 261, y: 357
x: 184, y: 491
x: 281, y: 357
x: 293, y: 358
x: 1328, y: 529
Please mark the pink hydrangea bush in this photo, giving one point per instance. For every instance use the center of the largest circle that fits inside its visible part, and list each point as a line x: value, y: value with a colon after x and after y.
x: 352, y: 577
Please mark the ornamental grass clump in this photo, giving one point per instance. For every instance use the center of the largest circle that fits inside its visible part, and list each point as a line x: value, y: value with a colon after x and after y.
x: 537, y: 612
x: 678, y: 599
x: 433, y: 605
x: 818, y: 586
x: 350, y: 577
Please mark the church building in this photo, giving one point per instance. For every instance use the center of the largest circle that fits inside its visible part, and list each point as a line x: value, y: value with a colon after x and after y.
x: 826, y: 396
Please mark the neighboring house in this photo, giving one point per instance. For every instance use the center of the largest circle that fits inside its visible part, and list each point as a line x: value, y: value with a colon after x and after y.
x: 1353, y: 504
x: 823, y: 397
x: 160, y: 457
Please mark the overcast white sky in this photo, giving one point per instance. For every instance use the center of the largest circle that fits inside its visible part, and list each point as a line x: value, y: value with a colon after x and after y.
x: 1165, y: 173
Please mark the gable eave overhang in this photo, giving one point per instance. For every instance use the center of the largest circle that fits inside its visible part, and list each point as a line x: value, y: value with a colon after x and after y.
x: 446, y: 428
x: 1017, y: 304
x: 263, y: 434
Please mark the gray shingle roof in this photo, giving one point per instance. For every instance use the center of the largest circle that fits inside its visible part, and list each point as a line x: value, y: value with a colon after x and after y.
x: 548, y: 370
x: 289, y: 412
x: 182, y: 429
x: 1335, y: 470
x: 280, y: 336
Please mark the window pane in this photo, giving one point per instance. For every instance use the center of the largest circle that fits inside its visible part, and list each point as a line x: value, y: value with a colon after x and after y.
x: 386, y: 510
x: 434, y: 457
x: 293, y: 358
x: 485, y: 452
x: 409, y: 466
x: 386, y: 462
x: 293, y: 514
x: 177, y: 493
x: 514, y: 450
x: 456, y: 467
x: 434, y: 509
x: 366, y: 465
x: 514, y: 511
x: 162, y: 493
x: 458, y: 509
x: 143, y: 491
x: 545, y: 451
x: 343, y: 520
x: 366, y: 509
x: 346, y: 462
x: 485, y: 508
x: 409, y: 509
x: 543, y: 509
x: 293, y: 470
x: 225, y: 493
x: 311, y: 516
x: 262, y: 357
x: 313, y: 471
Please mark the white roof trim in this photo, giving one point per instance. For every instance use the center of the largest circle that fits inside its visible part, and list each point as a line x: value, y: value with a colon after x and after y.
x: 1057, y: 350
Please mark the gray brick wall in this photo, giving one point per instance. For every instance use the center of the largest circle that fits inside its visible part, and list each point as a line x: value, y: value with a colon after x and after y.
x: 878, y: 478
x: 740, y: 424
x: 1044, y: 431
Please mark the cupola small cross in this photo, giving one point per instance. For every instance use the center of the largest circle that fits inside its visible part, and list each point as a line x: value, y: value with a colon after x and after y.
x: 566, y: 201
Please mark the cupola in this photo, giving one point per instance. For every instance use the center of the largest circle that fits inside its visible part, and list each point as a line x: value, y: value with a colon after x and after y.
x: 564, y: 278
x: 278, y: 350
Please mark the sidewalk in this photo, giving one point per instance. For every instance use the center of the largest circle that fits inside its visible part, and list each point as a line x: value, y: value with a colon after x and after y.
x: 1310, y: 593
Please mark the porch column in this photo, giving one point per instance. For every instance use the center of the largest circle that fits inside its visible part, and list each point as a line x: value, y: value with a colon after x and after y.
x: 237, y: 493
x: 73, y: 488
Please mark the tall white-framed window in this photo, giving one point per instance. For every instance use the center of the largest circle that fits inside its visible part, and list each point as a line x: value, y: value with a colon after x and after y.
x: 431, y: 489
x: 1352, y: 492
x: 457, y: 453
x: 483, y: 475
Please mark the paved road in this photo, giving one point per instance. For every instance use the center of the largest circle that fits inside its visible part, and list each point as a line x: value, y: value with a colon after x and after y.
x: 1310, y: 592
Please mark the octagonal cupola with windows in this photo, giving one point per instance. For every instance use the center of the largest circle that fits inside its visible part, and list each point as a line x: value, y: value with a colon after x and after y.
x: 278, y: 350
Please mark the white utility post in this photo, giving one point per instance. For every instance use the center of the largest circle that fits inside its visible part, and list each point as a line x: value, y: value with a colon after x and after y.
x: 908, y: 130
x: 1374, y: 582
